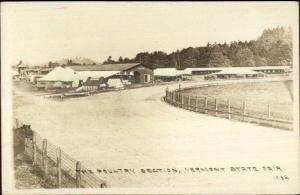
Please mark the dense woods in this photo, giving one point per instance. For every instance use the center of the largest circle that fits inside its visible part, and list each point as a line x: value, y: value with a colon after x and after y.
x: 272, y: 48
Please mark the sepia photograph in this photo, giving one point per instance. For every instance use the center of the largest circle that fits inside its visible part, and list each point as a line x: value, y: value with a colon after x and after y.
x: 150, y: 97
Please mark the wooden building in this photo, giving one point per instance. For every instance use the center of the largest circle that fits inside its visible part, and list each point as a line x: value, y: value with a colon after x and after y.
x: 128, y: 73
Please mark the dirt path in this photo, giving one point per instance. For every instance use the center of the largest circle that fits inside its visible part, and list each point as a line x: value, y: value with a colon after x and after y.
x: 134, y: 129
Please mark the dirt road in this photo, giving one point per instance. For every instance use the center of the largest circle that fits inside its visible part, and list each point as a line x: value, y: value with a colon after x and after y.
x: 134, y: 129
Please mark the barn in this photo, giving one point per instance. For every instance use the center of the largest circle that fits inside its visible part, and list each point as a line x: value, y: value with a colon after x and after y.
x: 128, y: 72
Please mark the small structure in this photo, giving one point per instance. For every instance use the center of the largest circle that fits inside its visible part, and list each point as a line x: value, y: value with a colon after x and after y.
x: 115, y: 83
x: 93, y: 84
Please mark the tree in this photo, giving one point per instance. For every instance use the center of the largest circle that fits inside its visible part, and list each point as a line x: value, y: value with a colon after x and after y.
x: 244, y: 57
x: 217, y: 59
x: 120, y: 59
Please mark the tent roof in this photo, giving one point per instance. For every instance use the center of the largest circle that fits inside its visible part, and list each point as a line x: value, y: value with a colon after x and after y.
x: 59, y: 74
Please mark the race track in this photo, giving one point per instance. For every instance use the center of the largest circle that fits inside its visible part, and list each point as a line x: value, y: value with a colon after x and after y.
x: 135, y: 129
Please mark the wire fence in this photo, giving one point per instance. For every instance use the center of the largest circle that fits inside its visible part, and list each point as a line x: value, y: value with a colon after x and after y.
x: 58, y: 168
x: 234, y: 109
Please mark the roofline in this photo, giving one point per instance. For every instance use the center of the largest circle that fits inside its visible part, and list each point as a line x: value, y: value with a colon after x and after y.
x: 140, y: 64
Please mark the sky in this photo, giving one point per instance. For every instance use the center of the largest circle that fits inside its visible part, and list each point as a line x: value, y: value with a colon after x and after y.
x: 39, y: 32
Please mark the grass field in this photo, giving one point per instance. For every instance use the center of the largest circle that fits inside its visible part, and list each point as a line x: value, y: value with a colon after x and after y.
x: 135, y: 129
x: 256, y: 95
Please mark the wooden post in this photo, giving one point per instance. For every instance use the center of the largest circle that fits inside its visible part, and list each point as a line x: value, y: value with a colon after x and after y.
x: 189, y: 103
x: 34, y: 154
x: 44, y: 157
x: 229, y: 110
x: 196, y: 104
x: 173, y: 97
x: 58, y: 162
x: 179, y: 92
x: 17, y: 123
x: 167, y: 93
x: 244, y: 109
x: 205, y: 105
x: 269, y: 111
x: 182, y: 100
x: 78, y: 176
x: 178, y: 98
x: 216, y: 107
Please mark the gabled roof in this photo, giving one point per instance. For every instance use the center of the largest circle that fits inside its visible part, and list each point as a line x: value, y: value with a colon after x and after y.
x: 105, y: 67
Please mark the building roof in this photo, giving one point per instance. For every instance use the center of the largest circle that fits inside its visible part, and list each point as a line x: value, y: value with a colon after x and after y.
x: 83, y: 75
x: 105, y: 67
x: 171, y: 72
x: 93, y: 81
x: 236, y: 71
x: 174, y: 72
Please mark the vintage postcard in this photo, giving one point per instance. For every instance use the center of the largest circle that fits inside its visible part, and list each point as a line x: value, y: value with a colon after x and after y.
x: 150, y: 97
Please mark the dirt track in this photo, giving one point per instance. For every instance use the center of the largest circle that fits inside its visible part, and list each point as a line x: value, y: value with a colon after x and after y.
x: 134, y: 129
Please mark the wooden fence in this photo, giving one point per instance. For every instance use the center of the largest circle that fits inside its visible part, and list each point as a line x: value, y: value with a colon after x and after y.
x: 56, y: 166
x: 234, y: 110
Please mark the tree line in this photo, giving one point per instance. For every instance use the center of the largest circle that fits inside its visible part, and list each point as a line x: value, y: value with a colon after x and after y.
x: 272, y: 48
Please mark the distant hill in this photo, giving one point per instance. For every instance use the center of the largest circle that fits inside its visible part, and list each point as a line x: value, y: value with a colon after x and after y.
x: 76, y: 60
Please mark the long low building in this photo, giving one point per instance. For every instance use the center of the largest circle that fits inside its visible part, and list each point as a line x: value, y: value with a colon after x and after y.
x: 168, y: 74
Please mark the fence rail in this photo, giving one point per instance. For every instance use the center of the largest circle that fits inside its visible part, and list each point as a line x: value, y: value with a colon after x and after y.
x: 55, y: 165
x: 227, y: 108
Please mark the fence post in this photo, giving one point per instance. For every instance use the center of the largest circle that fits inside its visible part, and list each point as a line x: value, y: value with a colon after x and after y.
x: 269, y: 111
x: 196, y: 104
x: 179, y: 95
x: 167, y: 93
x: 34, y: 149
x: 58, y: 162
x: 189, y: 103
x: 205, y: 105
x: 78, y: 176
x: 216, y: 107
x: 44, y: 157
x: 17, y: 123
x: 182, y: 101
x: 229, y: 110
x: 173, y: 97
x: 244, y: 109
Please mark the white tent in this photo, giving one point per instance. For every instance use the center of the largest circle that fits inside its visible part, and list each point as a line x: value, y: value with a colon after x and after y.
x: 59, y: 74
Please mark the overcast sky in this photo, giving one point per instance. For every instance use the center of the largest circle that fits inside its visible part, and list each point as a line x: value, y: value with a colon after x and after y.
x: 42, y: 32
